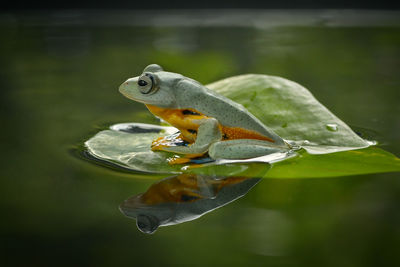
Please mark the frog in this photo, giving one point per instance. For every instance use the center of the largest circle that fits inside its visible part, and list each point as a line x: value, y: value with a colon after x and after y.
x: 185, y: 197
x: 209, y: 124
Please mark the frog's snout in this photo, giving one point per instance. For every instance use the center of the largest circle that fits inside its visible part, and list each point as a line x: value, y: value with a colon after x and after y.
x: 122, y: 87
x: 130, y: 205
x: 127, y: 87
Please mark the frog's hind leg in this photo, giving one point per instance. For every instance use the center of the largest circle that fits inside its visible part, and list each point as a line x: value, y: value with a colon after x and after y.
x: 242, y: 149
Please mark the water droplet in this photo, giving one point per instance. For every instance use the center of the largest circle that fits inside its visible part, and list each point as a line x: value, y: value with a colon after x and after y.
x: 372, y: 142
x: 306, y: 142
x: 333, y: 127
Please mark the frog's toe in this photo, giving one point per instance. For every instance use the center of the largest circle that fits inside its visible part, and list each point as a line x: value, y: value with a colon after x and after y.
x: 176, y: 161
x: 161, y: 143
x: 158, y: 141
x: 156, y: 146
x: 190, y: 158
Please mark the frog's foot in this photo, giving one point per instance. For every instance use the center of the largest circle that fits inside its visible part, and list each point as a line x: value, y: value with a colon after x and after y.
x: 190, y: 158
x: 176, y: 160
x: 164, y: 142
x: 242, y: 149
x: 159, y: 143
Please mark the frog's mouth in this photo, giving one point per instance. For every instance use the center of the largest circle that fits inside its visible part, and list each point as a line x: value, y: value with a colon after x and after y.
x: 125, y: 92
x: 131, y: 97
x: 130, y: 205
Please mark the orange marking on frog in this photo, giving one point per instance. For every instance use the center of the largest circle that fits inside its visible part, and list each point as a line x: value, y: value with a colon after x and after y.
x: 231, y: 133
x: 177, y: 118
x: 171, y: 190
x: 183, y: 188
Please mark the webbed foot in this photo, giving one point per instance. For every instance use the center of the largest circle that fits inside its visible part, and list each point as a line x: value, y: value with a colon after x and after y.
x: 196, y: 159
x: 162, y: 143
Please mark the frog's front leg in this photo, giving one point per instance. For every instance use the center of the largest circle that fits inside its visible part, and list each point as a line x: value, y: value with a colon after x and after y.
x: 208, y: 132
x: 242, y: 149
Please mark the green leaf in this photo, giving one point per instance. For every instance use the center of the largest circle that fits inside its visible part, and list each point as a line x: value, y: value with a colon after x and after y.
x: 353, y: 162
x: 127, y: 146
x: 291, y: 111
x: 130, y: 149
x: 331, y: 148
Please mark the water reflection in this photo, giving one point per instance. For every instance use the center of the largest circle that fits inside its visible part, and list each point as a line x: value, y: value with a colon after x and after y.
x: 183, y: 198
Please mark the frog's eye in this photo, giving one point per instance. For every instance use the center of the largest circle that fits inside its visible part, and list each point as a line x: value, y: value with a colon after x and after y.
x: 146, y: 83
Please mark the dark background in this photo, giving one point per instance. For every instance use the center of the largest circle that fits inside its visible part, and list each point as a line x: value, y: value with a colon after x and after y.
x: 182, y: 4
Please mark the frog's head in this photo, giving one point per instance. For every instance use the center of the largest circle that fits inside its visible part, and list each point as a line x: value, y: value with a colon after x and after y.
x: 148, y: 217
x: 154, y: 87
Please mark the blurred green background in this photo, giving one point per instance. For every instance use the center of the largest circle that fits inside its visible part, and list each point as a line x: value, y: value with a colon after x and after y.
x: 59, y: 77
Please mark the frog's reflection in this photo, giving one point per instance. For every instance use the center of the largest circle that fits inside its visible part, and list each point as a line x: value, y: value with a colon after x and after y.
x: 183, y: 198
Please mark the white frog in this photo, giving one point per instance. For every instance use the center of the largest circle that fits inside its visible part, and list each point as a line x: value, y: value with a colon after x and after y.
x: 208, y: 122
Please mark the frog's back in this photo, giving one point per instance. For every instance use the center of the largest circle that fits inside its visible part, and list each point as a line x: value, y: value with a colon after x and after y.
x: 233, y: 117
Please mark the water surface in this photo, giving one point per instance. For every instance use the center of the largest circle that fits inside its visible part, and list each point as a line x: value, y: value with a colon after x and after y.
x: 59, y: 78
